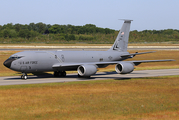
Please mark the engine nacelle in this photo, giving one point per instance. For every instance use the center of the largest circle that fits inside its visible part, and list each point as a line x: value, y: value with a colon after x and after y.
x: 87, y: 70
x: 124, y: 68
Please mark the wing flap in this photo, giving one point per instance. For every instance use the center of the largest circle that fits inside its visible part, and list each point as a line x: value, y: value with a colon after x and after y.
x: 65, y: 65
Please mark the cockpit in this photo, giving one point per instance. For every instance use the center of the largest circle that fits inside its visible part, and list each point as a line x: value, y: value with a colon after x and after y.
x: 8, y: 62
x: 15, y: 57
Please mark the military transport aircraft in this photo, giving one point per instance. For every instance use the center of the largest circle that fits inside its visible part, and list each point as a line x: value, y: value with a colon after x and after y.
x: 85, y: 62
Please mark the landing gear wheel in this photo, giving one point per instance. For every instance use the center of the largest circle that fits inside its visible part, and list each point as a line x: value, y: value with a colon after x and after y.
x: 59, y: 74
x: 24, y: 76
x: 56, y: 74
x: 63, y: 74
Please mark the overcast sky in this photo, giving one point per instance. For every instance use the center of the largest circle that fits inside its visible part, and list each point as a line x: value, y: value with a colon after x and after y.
x: 147, y: 14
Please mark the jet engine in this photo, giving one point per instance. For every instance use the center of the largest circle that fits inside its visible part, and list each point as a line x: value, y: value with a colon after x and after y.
x: 124, y: 68
x: 87, y: 70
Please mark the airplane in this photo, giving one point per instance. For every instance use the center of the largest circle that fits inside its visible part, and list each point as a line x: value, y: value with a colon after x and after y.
x: 85, y: 62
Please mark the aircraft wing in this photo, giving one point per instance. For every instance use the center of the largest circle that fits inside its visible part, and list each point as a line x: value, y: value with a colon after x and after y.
x: 135, y: 63
x: 146, y: 61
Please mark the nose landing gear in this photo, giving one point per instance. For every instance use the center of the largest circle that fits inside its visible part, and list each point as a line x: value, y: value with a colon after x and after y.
x: 24, y: 76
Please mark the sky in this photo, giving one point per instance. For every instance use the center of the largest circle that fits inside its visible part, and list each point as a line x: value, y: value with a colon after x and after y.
x: 146, y: 14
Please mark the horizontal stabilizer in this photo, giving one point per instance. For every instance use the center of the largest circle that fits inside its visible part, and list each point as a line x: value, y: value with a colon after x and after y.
x: 133, y: 54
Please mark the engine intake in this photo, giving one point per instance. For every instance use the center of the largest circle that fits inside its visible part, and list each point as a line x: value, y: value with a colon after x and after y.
x: 87, y: 70
x: 124, y: 68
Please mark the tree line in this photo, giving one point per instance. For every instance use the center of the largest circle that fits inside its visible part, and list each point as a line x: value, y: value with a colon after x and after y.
x: 155, y: 35
x: 88, y: 33
x: 33, y: 30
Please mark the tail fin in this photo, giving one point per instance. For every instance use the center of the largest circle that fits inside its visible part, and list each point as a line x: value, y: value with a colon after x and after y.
x: 121, y: 41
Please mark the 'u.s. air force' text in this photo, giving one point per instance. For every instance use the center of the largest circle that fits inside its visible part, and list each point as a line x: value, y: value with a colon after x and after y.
x: 29, y: 62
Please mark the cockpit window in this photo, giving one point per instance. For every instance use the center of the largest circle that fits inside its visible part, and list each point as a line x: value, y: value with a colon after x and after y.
x: 15, y: 57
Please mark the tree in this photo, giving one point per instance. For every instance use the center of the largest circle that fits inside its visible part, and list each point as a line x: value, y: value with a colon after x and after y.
x: 168, y: 31
x: 24, y: 33
x: 8, y: 26
x: 33, y: 34
x: 69, y: 30
x: 46, y: 31
x: 41, y: 27
x: 81, y: 30
x: 71, y: 37
x: 48, y: 26
x: 12, y: 33
x: 17, y: 27
x: 66, y: 37
x: 24, y: 26
x: 62, y: 29
x: 6, y: 33
x: 33, y: 26
x: 0, y: 27
x: 107, y: 30
x: 90, y: 25
x: 54, y: 29
x: 100, y: 30
x: 1, y: 33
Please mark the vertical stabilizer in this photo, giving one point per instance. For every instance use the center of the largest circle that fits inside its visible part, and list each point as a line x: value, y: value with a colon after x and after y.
x: 121, y: 41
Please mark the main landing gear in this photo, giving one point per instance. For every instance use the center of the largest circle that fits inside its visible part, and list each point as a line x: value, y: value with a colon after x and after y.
x: 59, y: 74
x: 24, y: 76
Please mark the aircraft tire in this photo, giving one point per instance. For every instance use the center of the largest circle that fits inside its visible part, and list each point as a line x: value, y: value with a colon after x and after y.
x: 63, y: 74
x: 56, y: 74
x: 24, y: 77
x: 59, y: 74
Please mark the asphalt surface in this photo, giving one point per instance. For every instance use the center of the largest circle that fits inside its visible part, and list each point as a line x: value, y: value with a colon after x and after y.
x: 15, y: 80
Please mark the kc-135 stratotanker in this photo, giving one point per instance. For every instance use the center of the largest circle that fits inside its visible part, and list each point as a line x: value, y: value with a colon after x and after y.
x: 85, y: 62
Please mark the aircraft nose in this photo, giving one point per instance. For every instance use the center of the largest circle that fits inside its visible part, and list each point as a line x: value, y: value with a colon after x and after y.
x: 7, y: 63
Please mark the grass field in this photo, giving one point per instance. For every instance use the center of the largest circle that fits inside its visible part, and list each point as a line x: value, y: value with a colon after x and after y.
x: 142, y: 98
x: 157, y: 55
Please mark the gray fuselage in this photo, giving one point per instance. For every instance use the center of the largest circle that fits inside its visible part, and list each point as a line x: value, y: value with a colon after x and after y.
x: 40, y: 61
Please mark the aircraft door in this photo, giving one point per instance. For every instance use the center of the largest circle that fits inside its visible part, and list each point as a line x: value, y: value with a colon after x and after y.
x: 60, y: 57
x: 100, y: 58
